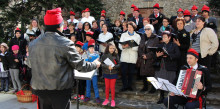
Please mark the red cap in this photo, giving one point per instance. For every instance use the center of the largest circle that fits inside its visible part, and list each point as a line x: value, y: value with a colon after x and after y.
x: 193, y: 52
x: 72, y: 13
x: 103, y: 15
x: 79, y: 44
x: 205, y: 8
x: 91, y: 43
x: 103, y: 11
x: 53, y: 17
x: 180, y: 10
x: 87, y: 10
x: 89, y: 33
x: 156, y: 6
x: 17, y: 30
x: 133, y: 6
x: 194, y: 7
x: 83, y: 11
x: 136, y: 9
x: 186, y: 13
x: 122, y: 13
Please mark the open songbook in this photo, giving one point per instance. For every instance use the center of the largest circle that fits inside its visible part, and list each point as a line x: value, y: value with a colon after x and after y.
x: 158, y: 49
x: 131, y: 43
x: 165, y: 85
x: 84, y: 75
x: 105, y: 41
x: 108, y: 62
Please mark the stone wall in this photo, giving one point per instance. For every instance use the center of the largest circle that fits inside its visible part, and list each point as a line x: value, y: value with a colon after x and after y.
x: 113, y: 7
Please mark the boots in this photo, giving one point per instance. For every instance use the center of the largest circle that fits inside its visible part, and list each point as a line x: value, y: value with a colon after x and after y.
x: 161, y: 97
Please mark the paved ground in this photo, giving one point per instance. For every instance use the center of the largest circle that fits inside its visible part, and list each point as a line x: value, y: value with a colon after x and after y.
x: 9, y: 101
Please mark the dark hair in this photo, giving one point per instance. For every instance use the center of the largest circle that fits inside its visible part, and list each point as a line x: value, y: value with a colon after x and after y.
x: 85, y: 24
x: 166, y: 19
x: 202, y: 19
x: 105, y: 25
x: 132, y: 24
x: 180, y: 19
x: 118, y: 21
x: 95, y: 22
x: 71, y: 24
x: 168, y: 33
x: 107, y: 49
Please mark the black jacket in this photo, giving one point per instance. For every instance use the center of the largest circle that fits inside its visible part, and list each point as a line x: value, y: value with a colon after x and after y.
x: 52, y: 59
x: 114, y: 59
x: 184, y: 38
x: 173, y: 55
x: 10, y: 57
x: 21, y: 42
x: 205, y: 79
x: 160, y: 20
x: 140, y: 22
x: 4, y: 61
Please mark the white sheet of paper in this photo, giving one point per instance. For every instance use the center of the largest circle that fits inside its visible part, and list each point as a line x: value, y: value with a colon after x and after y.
x: 154, y: 82
x: 84, y: 75
x: 109, y: 62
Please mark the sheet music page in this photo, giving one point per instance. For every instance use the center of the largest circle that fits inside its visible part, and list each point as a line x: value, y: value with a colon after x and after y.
x: 108, y: 62
x: 154, y: 82
x: 85, y: 75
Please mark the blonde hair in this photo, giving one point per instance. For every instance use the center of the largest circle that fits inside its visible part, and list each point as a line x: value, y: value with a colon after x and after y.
x: 31, y: 26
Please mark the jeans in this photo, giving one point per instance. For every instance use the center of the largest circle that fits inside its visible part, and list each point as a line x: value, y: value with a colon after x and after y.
x: 95, y: 87
x: 4, y: 80
x: 127, y: 69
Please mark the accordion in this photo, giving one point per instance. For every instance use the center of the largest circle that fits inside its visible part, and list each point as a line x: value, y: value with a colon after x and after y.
x: 186, y: 82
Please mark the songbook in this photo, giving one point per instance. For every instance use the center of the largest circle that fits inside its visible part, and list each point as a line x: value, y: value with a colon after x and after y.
x: 165, y: 85
x: 158, y: 49
x: 108, y: 62
x: 84, y: 75
x: 131, y: 43
x: 105, y: 41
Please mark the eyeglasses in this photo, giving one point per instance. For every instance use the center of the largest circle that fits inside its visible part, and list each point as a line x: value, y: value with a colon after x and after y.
x: 86, y: 24
x: 179, y: 12
x: 147, y: 29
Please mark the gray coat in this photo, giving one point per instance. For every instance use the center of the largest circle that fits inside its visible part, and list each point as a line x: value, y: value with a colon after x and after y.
x: 53, y: 58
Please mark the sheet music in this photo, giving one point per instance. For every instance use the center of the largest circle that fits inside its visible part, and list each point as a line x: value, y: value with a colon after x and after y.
x: 108, y: 62
x: 154, y: 82
x: 84, y: 75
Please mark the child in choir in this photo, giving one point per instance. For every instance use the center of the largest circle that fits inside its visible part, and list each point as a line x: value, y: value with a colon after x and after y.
x: 92, y: 55
x: 110, y: 73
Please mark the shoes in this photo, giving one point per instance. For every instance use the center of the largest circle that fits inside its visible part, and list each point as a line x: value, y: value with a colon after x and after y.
x: 76, y: 97
x: 86, y: 99
x: 105, y: 102
x: 98, y: 100
x: 82, y: 97
x: 113, y: 103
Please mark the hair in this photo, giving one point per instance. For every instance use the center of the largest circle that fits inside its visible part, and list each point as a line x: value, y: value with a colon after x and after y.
x: 107, y: 49
x: 180, y: 19
x: 125, y: 23
x: 71, y: 24
x: 31, y: 26
x: 166, y: 19
x: 132, y: 24
x: 85, y: 24
x: 95, y: 22
x: 105, y: 25
x: 202, y: 19
x: 151, y: 27
x: 168, y: 33
x: 147, y: 19
x: 118, y: 21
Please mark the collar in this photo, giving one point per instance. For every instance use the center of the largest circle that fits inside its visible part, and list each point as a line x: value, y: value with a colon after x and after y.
x: 131, y: 34
x: 157, y: 14
x: 195, y: 66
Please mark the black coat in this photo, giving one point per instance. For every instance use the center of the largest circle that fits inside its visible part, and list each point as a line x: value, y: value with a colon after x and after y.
x: 173, y: 56
x: 205, y: 79
x: 160, y: 20
x: 4, y: 61
x: 140, y: 22
x: 21, y: 42
x: 184, y: 38
x: 11, y: 60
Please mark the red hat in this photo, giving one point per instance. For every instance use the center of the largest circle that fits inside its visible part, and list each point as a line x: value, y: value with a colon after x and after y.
x: 180, y: 10
x: 91, y: 43
x: 193, y: 52
x: 103, y: 15
x: 194, y: 7
x: 72, y: 13
x: 83, y: 11
x: 205, y: 8
x: 15, y: 47
x: 87, y: 10
x: 186, y: 13
x: 89, y: 33
x: 133, y: 6
x: 79, y: 44
x: 136, y: 9
x: 53, y: 18
x: 156, y: 6
x: 103, y: 11
x: 17, y: 30
x: 122, y: 13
